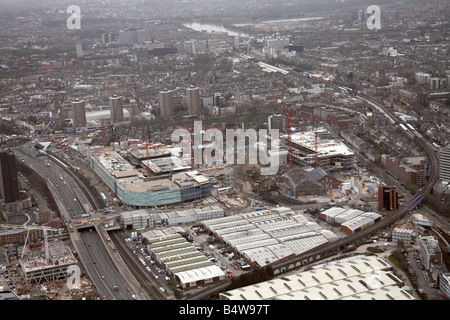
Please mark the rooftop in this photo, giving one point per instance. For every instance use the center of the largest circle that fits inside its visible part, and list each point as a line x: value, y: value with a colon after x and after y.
x: 359, y: 278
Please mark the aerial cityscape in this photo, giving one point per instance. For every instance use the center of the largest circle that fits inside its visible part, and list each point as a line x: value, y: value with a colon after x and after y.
x: 223, y: 150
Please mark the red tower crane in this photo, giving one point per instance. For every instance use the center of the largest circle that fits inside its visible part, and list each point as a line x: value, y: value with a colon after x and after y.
x: 289, y: 125
x: 277, y: 103
x: 290, y: 119
x: 191, y: 129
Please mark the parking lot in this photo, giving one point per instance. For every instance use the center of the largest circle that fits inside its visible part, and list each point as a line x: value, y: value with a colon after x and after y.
x: 140, y: 252
x: 232, y: 265
x: 6, y: 279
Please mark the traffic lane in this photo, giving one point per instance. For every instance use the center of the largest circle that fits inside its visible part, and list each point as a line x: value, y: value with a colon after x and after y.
x: 50, y: 176
x: 90, y: 269
x: 105, y: 266
x: 53, y: 176
x: 103, y: 287
x: 107, y: 272
x: 100, y: 265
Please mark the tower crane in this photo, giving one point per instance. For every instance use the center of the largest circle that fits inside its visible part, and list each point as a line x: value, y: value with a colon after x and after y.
x: 289, y: 125
x: 277, y: 103
x: 191, y: 132
x: 31, y: 227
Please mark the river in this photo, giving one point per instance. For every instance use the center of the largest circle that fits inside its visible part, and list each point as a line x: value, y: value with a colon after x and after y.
x: 213, y: 28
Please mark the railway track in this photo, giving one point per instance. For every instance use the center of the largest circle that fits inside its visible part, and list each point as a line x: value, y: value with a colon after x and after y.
x: 136, y: 269
x: 324, y: 251
x: 390, y: 219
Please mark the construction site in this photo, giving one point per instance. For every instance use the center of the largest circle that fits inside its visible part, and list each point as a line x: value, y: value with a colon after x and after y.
x: 41, y: 269
x: 44, y: 267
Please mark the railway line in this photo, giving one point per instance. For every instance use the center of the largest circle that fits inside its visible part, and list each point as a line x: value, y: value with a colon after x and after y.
x: 328, y: 250
x: 143, y: 277
x: 391, y: 218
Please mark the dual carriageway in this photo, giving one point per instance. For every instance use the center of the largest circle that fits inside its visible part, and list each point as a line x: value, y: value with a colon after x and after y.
x: 111, y: 279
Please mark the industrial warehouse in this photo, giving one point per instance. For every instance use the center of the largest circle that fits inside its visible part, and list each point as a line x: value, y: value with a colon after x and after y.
x: 183, y: 262
x: 141, y: 219
x: 350, y: 220
x: 357, y: 278
x: 267, y: 236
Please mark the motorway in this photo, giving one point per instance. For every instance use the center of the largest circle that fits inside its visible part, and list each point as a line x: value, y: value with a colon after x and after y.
x: 70, y: 200
x: 108, y: 281
x: 59, y: 182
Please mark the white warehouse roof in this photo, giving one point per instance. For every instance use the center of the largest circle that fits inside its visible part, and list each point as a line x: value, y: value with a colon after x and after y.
x: 362, y: 278
x: 199, y: 274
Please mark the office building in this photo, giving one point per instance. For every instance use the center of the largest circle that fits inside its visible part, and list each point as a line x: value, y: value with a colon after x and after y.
x: 422, y: 78
x: 36, y: 270
x: 141, y: 35
x: 444, y: 163
x: 430, y: 252
x: 277, y: 121
x: 79, y: 113
x: 404, y: 235
x: 387, y: 198
x: 9, y: 183
x: 332, y: 154
x: 410, y: 171
x: 193, y: 100
x: 166, y: 103
x: 434, y: 83
x: 444, y: 284
x: 79, y: 48
x: 127, y: 36
x: 116, y: 108
x: 189, y: 47
x: 107, y: 38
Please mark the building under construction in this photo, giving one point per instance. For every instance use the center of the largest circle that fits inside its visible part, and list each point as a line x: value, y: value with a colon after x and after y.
x: 319, y: 149
x: 37, y: 269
